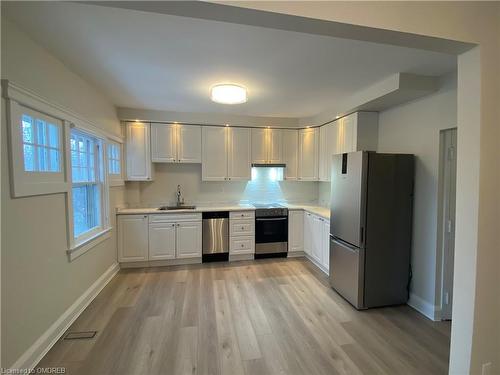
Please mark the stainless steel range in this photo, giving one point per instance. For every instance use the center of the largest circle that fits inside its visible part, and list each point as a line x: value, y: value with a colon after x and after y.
x: 271, y: 230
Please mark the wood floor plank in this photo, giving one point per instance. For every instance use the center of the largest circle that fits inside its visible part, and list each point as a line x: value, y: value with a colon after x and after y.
x: 273, y: 316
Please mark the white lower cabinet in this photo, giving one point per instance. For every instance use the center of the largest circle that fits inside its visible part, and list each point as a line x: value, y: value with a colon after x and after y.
x: 133, y: 239
x: 317, y: 240
x: 159, y: 237
x: 161, y: 241
x: 188, y: 240
x: 295, y: 232
x: 242, y: 233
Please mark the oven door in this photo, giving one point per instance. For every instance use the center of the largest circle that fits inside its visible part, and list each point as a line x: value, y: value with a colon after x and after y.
x: 271, y: 229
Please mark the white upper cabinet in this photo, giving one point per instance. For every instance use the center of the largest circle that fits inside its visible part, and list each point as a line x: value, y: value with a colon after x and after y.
x: 137, y: 148
x: 356, y: 132
x: 175, y: 143
x: 308, y: 154
x: 163, y: 143
x: 259, y: 146
x: 239, y: 166
x: 189, y: 144
x: 226, y: 154
x: 328, y: 146
x: 267, y: 146
x: 214, y: 151
x: 290, y: 153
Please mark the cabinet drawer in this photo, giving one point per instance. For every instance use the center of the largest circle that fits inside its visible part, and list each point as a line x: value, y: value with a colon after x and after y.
x: 242, y: 245
x: 242, y: 227
x: 162, y: 218
x: 242, y: 215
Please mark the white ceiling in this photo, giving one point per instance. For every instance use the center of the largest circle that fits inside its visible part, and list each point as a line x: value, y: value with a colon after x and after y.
x: 157, y: 61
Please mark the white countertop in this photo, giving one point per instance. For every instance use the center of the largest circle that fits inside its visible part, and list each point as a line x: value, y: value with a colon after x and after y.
x: 316, y: 210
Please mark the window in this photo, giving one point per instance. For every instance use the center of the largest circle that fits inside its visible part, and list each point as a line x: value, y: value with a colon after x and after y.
x: 36, y: 152
x: 114, y: 159
x: 41, y: 145
x: 87, y: 185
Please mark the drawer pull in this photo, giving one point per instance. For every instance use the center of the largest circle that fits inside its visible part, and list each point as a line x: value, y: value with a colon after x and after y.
x: 242, y: 228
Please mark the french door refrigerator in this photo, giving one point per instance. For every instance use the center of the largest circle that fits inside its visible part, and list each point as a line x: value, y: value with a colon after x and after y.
x: 371, y: 227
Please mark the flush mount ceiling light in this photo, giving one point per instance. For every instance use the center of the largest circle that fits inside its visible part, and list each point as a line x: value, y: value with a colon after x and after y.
x: 227, y: 93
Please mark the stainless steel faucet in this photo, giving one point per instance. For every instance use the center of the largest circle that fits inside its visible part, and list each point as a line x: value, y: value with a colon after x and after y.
x: 179, y: 200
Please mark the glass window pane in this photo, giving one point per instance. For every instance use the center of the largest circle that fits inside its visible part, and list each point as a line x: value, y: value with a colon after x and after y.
x: 29, y: 158
x: 27, y: 123
x: 53, y: 136
x: 41, y: 132
x: 54, y: 160
x: 43, y: 156
x: 80, y: 212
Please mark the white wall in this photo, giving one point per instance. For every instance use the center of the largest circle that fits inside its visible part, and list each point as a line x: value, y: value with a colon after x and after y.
x: 414, y: 128
x: 38, y: 282
x: 168, y: 176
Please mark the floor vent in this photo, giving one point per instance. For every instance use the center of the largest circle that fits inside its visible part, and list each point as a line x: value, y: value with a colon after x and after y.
x: 80, y: 335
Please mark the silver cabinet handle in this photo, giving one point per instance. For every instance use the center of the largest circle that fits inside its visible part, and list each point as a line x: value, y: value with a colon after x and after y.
x: 173, y: 225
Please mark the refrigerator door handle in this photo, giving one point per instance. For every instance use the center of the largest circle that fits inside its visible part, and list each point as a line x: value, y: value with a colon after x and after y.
x: 344, y: 244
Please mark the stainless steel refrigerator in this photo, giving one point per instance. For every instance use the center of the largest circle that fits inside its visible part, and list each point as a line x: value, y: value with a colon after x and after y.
x: 371, y: 227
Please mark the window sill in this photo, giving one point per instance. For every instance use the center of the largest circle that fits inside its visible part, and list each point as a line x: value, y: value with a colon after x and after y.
x: 89, y: 243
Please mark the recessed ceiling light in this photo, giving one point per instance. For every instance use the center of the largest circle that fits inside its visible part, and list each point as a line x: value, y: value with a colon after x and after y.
x: 228, y: 93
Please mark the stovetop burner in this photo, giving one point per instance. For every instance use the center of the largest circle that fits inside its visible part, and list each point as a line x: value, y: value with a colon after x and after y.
x: 270, y: 210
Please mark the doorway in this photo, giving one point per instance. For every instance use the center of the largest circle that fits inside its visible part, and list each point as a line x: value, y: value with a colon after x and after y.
x: 446, y: 229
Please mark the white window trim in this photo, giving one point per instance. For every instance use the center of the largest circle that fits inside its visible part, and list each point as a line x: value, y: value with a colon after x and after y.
x: 80, y: 245
x: 115, y: 180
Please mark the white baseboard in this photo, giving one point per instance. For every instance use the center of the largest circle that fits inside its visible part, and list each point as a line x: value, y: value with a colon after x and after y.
x: 239, y: 257
x: 320, y: 266
x: 422, y: 306
x: 42, y: 345
x: 296, y: 254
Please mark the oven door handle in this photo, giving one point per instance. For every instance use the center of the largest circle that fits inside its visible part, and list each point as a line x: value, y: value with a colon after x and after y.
x: 271, y: 219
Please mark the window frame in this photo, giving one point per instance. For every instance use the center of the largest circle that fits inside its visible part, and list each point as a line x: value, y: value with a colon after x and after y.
x: 29, y: 183
x: 114, y: 178
x: 85, y: 241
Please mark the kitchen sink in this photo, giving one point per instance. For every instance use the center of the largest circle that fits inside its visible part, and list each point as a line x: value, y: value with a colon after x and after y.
x: 171, y: 208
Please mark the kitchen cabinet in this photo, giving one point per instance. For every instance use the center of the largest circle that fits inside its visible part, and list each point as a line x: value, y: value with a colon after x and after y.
x: 133, y: 240
x: 328, y: 146
x: 242, y: 233
x: 188, y: 238
x: 267, y: 146
x: 162, y: 241
x: 295, y: 232
x: 308, y: 154
x: 175, y: 143
x: 290, y: 153
x: 355, y: 132
x: 317, y: 240
x: 308, y: 233
x: 358, y: 132
x: 214, y: 151
x: 137, y: 150
x: 239, y: 165
x: 226, y: 154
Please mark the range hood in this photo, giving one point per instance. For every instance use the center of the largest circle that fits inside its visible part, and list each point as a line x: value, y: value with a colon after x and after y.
x: 276, y: 165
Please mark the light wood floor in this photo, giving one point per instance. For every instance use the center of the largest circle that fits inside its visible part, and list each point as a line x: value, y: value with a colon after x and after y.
x: 259, y: 317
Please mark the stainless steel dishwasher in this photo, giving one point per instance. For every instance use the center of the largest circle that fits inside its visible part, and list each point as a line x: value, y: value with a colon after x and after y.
x: 215, y: 236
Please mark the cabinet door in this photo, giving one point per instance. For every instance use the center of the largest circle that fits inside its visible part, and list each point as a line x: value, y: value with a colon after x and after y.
x: 275, y: 146
x: 214, y: 152
x: 308, y: 233
x: 188, y: 240
x: 188, y: 144
x: 164, y: 143
x: 138, y: 156
x: 317, y: 243
x: 349, y: 133
x: 239, y: 155
x: 161, y: 241
x: 325, y: 237
x: 323, y: 153
x: 132, y: 238
x: 295, y: 231
x: 259, y: 146
x: 290, y: 153
x: 308, y: 154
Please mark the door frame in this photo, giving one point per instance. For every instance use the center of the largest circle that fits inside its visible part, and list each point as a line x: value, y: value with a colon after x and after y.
x: 446, y: 222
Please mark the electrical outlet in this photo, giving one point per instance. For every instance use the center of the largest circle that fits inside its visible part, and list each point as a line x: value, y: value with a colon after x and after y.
x: 486, y: 369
